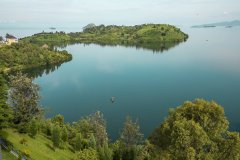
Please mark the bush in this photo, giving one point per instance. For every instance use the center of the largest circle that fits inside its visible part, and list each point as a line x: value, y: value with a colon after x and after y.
x: 64, y: 134
x: 87, y: 154
x: 105, y: 153
x: 23, y: 141
x: 33, y: 128
x: 56, y: 136
x: 26, y: 153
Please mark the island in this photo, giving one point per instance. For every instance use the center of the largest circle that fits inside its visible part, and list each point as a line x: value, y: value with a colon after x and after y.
x: 227, y: 24
x: 150, y: 36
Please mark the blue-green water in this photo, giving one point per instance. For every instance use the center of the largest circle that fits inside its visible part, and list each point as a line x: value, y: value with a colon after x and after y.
x: 147, y: 84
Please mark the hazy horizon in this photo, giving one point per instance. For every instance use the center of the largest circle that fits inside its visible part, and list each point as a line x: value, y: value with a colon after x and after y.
x: 75, y: 12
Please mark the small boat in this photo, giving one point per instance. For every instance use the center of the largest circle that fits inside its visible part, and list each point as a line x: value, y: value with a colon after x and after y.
x: 112, y: 99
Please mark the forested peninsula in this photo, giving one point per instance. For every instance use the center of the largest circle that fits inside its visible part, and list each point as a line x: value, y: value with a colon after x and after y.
x: 20, y: 56
x: 150, y: 36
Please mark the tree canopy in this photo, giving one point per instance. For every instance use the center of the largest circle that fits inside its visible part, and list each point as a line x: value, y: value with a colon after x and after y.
x: 196, y: 130
x: 24, y: 99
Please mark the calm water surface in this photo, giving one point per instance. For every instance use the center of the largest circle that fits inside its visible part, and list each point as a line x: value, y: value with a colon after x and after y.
x: 145, y: 83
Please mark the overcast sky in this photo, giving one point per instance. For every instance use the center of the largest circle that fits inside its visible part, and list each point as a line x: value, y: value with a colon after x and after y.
x: 128, y: 12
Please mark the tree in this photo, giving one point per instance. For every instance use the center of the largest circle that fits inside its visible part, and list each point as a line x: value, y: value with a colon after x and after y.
x: 130, y: 138
x: 105, y: 153
x: 58, y: 120
x: 24, y: 99
x: 131, y: 133
x: 64, y: 134
x: 117, y: 150
x: 33, y: 128
x: 92, y: 142
x: 83, y: 126
x: 230, y: 146
x: 144, y: 151
x: 6, y: 113
x: 98, y: 126
x: 196, y: 130
x: 87, y: 154
x: 56, y: 136
x: 78, y: 142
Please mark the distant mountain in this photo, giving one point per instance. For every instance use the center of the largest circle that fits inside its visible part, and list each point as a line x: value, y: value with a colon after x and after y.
x: 223, y: 24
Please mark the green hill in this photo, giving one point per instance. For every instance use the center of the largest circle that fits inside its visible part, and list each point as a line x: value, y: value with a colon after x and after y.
x: 146, y: 35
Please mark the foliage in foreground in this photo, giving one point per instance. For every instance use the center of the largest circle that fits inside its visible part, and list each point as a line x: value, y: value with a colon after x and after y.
x: 195, y: 130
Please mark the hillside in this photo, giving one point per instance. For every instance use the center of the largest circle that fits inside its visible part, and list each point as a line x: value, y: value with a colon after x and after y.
x: 38, y: 148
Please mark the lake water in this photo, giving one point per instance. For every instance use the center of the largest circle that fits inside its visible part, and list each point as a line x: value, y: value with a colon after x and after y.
x: 146, y: 83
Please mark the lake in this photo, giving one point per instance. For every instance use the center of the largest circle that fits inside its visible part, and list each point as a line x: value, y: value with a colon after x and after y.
x: 146, y: 84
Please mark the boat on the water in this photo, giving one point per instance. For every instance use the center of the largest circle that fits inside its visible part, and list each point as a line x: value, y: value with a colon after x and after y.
x: 112, y: 99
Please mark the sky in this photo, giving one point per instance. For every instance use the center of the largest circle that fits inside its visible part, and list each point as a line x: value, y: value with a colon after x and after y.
x: 119, y: 12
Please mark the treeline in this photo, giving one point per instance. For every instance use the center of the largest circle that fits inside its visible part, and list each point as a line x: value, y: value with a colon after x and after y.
x: 149, y: 36
x: 194, y: 130
x: 20, y: 56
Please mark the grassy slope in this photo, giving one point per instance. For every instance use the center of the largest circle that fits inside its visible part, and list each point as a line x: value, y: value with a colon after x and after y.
x: 38, y: 147
x: 7, y: 156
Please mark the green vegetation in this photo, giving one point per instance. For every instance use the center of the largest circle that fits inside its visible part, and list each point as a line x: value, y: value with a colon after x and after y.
x: 6, y: 113
x: 39, y: 148
x: 20, y: 56
x: 195, y: 130
x: 23, y: 96
x: 7, y: 156
x: 150, y: 36
x: 24, y: 100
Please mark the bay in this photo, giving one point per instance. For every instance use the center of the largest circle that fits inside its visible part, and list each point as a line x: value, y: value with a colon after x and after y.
x: 145, y: 83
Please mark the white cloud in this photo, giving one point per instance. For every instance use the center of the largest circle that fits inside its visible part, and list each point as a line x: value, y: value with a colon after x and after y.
x: 118, y: 11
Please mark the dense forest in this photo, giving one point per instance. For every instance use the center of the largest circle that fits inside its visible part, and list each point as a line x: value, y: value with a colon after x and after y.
x: 150, y: 36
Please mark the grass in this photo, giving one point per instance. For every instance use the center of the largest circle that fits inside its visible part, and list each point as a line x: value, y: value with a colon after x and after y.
x: 39, y: 148
x: 7, y: 156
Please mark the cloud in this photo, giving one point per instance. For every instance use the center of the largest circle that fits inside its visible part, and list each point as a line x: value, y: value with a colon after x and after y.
x: 117, y: 11
x: 225, y: 13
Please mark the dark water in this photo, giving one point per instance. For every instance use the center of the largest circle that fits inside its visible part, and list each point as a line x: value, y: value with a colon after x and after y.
x: 145, y: 83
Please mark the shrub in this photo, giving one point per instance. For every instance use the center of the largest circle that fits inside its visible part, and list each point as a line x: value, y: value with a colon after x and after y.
x: 33, y: 128
x: 23, y: 141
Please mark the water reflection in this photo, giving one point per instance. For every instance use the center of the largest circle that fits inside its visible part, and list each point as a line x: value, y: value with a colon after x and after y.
x: 40, y: 71
x: 154, y: 47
